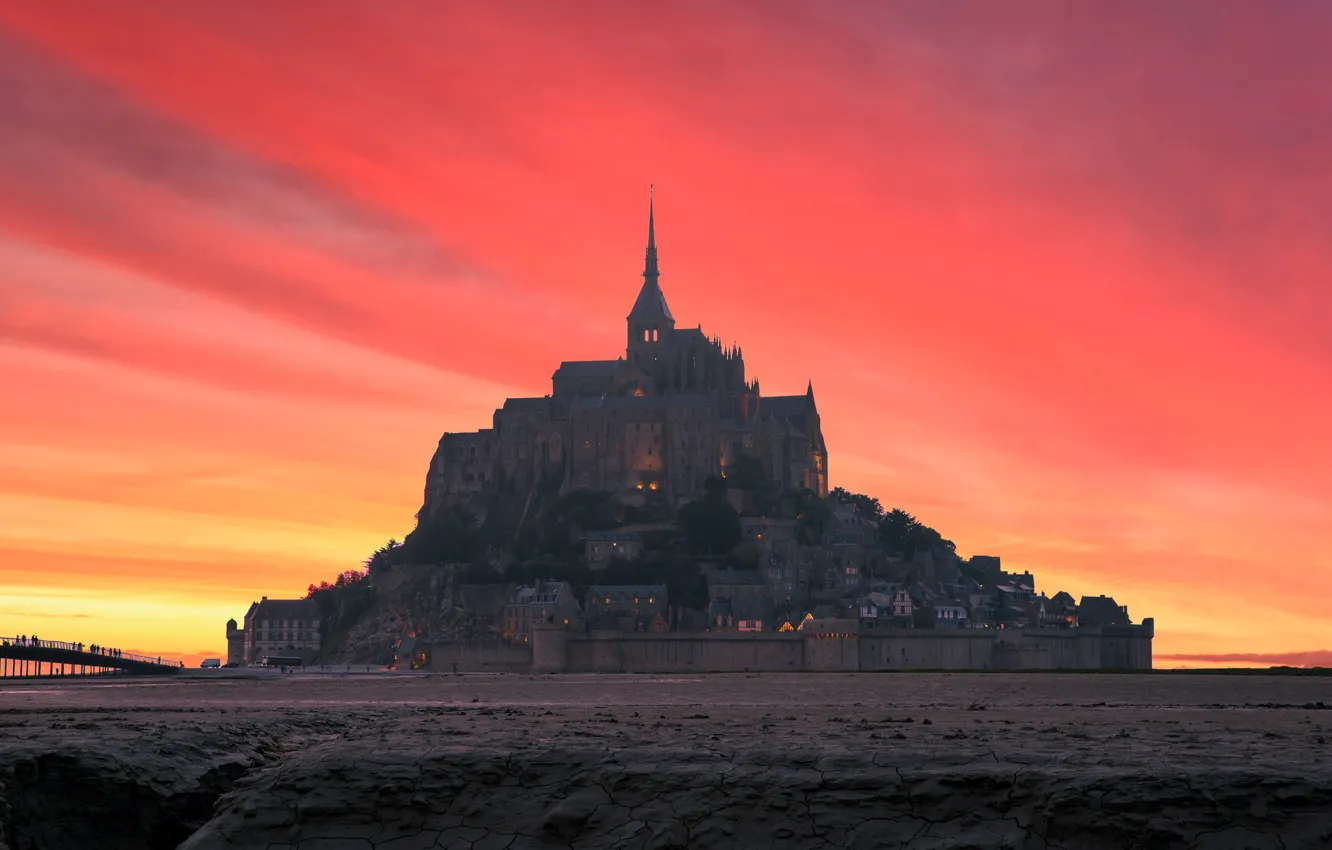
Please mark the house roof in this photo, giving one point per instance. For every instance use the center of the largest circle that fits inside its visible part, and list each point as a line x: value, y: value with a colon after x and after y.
x: 1101, y: 611
x: 736, y: 577
x: 544, y: 593
x: 529, y: 405
x: 651, y: 303
x: 752, y: 609
x: 628, y: 591
x: 1025, y: 579
x: 614, y: 537
x: 783, y: 406
x: 285, y: 609
x: 587, y: 369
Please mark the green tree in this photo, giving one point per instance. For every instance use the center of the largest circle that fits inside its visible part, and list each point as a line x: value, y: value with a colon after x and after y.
x: 710, y: 525
x: 745, y: 555
x: 812, y: 514
x: 867, y: 507
x: 382, y: 558
x: 450, y: 536
x: 902, y: 534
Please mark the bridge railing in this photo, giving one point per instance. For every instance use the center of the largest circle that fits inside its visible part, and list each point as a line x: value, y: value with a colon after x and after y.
x: 42, y: 644
x: 149, y: 660
x: 24, y: 640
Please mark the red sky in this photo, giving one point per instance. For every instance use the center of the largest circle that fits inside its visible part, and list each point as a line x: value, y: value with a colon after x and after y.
x: 1059, y: 273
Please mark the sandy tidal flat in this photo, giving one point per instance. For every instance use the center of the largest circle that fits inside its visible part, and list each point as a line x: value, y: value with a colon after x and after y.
x: 400, y: 761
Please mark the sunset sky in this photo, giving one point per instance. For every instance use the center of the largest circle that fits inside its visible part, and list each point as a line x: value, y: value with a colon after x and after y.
x: 1060, y: 273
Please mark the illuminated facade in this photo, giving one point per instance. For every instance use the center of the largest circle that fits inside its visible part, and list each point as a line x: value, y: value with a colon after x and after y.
x: 674, y: 410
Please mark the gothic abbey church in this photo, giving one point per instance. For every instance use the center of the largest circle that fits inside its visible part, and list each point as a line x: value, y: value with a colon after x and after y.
x: 657, y: 422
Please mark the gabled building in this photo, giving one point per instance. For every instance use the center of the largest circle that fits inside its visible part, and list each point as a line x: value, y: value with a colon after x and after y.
x: 1102, y: 611
x: 543, y: 602
x: 743, y: 615
x: 601, y: 547
x: 625, y: 607
x: 1062, y: 610
x: 949, y: 614
x: 286, y: 627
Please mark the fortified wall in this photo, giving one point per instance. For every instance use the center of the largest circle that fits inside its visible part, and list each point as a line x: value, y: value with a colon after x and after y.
x: 830, y: 649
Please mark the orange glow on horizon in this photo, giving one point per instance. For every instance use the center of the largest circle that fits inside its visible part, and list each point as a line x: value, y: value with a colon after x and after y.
x: 1063, y: 296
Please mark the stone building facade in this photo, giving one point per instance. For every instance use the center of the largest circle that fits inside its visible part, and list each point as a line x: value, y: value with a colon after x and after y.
x: 545, y: 601
x: 288, y: 627
x: 676, y: 408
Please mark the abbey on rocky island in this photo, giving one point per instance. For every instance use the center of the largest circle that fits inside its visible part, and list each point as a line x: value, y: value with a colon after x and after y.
x: 656, y: 422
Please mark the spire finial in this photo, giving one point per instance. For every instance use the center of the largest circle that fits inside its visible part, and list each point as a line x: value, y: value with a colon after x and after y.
x: 651, y: 304
x: 650, y: 265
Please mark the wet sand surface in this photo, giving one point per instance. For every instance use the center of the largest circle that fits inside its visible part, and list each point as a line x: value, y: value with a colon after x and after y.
x: 384, y: 760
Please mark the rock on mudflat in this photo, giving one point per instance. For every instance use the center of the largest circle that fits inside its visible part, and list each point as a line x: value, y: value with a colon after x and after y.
x: 404, y: 798
x: 120, y: 786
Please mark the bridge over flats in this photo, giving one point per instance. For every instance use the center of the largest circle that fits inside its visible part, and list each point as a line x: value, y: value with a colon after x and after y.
x: 24, y: 656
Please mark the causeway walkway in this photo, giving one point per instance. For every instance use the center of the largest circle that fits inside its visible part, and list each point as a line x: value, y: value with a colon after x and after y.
x: 24, y: 656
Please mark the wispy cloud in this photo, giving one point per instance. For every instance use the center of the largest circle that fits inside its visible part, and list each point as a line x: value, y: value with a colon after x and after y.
x: 1311, y: 658
x: 1058, y: 278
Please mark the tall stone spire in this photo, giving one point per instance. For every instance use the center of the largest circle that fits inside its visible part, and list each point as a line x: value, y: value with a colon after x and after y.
x: 651, y: 303
x: 650, y: 265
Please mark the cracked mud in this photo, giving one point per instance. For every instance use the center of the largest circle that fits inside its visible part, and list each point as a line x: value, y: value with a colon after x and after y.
x: 400, y: 762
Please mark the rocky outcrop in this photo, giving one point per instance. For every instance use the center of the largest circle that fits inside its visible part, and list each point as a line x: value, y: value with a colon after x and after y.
x: 457, y: 797
x: 119, y: 783
x: 409, y: 600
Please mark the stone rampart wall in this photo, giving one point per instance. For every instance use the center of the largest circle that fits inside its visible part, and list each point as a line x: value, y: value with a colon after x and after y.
x: 684, y: 652
x: 557, y: 650
x: 486, y: 656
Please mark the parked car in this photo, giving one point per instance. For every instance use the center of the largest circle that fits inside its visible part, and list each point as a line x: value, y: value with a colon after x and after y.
x: 211, y: 663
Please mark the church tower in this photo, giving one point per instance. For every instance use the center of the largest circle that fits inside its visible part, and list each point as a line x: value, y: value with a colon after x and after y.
x: 650, y: 321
